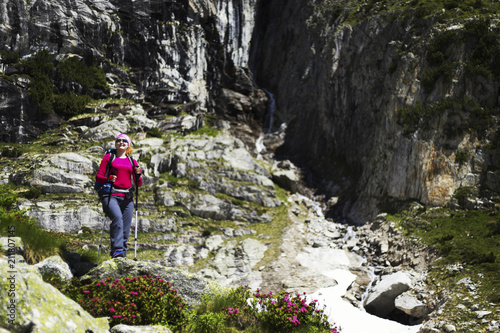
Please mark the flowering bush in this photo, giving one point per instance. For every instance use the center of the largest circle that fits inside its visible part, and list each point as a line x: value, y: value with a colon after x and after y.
x: 140, y: 300
x: 283, y: 312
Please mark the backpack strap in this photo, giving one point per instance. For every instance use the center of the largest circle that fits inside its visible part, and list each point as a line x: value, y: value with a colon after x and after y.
x: 110, y: 161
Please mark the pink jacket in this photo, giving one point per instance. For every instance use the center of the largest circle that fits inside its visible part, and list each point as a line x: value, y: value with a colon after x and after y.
x: 124, y: 173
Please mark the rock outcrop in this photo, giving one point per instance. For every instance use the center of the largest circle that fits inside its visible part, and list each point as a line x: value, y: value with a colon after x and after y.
x: 190, y: 286
x: 28, y: 303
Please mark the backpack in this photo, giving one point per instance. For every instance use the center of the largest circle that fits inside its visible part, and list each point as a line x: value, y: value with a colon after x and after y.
x: 105, y: 189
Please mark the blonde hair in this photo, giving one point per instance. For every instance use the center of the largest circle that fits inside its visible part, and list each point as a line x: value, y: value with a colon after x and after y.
x: 129, y: 151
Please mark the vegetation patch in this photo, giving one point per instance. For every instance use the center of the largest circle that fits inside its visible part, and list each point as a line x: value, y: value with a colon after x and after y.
x: 38, y: 243
x: 470, y: 238
x: 64, y: 87
x: 147, y: 300
x: 240, y: 310
x: 142, y: 300
x: 461, y: 116
x: 413, y: 11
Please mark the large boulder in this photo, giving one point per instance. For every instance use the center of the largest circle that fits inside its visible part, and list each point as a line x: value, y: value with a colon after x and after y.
x: 28, y: 304
x: 190, y: 286
x: 380, y: 300
x: 411, y: 305
x: 55, y: 267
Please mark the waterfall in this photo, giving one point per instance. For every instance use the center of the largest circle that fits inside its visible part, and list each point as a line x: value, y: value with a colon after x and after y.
x: 373, y: 277
x: 20, y: 132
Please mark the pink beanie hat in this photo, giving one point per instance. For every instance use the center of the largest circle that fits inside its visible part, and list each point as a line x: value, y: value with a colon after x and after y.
x: 124, y: 136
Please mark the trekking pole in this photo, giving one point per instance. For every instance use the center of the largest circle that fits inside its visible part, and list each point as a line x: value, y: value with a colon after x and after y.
x: 104, y: 220
x: 136, y: 205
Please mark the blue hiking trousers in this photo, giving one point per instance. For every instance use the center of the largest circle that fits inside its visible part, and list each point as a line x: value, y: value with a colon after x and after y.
x: 120, y: 211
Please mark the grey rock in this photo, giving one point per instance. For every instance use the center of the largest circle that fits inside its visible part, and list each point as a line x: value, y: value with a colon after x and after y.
x: 165, y: 199
x: 449, y: 328
x: 65, y: 218
x: 108, y: 130
x: 184, y: 123
x: 380, y: 300
x: 74, y: 163
x: 287, y: 179
x: 482, y: 314
x: 181, y: 255
x: 55, y: 180
x: 234, y: 262
x: 139, y: 329
x: 213, y: 242
x: 11, y: 245
x: 411, y: 305
x: 493, y: 181
x: 55, y: 266
x: 61, y: 314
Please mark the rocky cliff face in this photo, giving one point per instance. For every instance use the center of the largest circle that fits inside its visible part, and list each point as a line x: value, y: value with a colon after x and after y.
x: 343, y: 91
x: 175, y: 55
x: 346, y: 92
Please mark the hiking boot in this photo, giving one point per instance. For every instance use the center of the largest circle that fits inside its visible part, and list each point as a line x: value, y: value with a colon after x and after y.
x: 118, y: 254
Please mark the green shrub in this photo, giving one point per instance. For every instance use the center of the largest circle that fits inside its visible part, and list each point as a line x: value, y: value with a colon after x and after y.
x: 462, y: 193
x: 142, y: 300
x: 9, y: 57
x: 155, y: 132
x: 468, y: 237
x: 41, y: 64
x: 45, y: 74
x: 473, y: 116
x: 410, y: 117
x: 70, y: 104
x: 7, y: 198
x: 484, y: 59
x: 89, y: 77
x: 40, y: 68
x: 209, y: 322
x: 439, y: 48
x: 461, y: 157
x: 11, y: 152
x: 40, y: 92
x: 445, y: 71
x: 33, y: 193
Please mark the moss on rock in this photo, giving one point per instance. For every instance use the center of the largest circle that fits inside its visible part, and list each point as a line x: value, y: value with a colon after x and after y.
x: 27, y: 303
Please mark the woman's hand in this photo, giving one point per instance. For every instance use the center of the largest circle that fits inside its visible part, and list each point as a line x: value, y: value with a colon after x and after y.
x: 138, y: 171
x: 112, y: 178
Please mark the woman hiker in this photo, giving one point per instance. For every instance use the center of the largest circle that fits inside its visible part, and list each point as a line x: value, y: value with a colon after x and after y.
x: 119, y: 205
